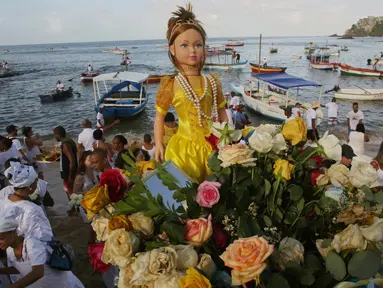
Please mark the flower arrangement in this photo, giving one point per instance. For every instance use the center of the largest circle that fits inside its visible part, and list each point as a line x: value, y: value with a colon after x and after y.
x: 271, y: 214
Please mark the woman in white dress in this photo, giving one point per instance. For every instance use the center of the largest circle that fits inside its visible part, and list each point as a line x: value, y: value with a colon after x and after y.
x: 28, y: 257
x: 32, y: 147
x: 357, y: 139
x: 32, y: 221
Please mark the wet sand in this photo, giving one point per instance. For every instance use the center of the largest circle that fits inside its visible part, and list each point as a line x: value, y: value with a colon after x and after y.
x: 70, y: 229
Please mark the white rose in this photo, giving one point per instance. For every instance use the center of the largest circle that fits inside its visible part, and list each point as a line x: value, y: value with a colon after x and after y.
x: 120, y: 248
x: 374, y: 232
x: 338, y: 174
x: 331, y: 146
x: 207, y: 265
x: 261, y: 141
x: 279, y: 143
x: 349, y: 238
x: 363, y: 174
x: 272, y: 129
x: 100, y: 227
x: 187, y: 256
x: 290, y: 250
x: 226, y: 133
x: 236, y: 154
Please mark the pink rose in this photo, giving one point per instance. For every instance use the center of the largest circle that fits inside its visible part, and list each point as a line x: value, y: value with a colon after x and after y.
x: 198, y: 231
x: 208, y: 194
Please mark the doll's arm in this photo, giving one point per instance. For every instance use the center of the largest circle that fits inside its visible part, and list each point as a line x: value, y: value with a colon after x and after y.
x: 158, y: 136
x: 222, y: 115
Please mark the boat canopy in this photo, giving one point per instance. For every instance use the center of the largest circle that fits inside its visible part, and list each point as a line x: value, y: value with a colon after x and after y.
x: 284, y: 80
x: 122, y: 76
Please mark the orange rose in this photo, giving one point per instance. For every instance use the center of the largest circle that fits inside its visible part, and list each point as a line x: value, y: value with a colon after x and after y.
x: 197, y: 231
x: 94, y: 200
x: 119, y: 222
x: 247, y: 256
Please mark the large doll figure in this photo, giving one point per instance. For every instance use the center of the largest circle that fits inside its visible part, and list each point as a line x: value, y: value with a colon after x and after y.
x: 197, y: 98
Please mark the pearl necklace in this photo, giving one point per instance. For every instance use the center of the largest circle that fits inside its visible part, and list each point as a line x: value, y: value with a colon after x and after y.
x: 193, y: 97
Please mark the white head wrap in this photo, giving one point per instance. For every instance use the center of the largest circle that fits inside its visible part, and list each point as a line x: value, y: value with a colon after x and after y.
x: 8, y: 220
x: 21, y: 175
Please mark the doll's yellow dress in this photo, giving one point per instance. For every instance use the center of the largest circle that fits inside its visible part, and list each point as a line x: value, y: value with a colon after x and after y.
x: 188, y: 149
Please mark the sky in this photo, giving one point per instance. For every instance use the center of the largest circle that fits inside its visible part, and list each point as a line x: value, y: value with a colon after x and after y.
x: 62, y: 21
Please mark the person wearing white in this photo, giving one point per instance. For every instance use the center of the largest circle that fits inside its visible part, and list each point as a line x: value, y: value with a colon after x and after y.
x: 12, y: 134
x: 148, y: 146
x: 332, y: 112
x: 90, y: 68
x: 100, y: 119
x: 229, y: 116
x: 296, y: 111
x: 29, y: 257
x: 354, y: 117
x: 85, y: 138
x: 264, y: 62
x: 377, y: 163
x: 357, y: 139
x: 311, y: 122
x: 235, y: 100
x: 32, y: 222
x: 59, y: 86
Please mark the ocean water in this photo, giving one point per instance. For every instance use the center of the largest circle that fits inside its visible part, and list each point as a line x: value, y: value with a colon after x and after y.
x: 39, y: 69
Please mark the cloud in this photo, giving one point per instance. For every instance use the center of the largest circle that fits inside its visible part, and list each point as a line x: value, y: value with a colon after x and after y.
x: 54, y: 23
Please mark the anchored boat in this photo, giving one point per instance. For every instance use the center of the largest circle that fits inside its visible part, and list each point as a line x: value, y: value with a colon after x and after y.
x: 349, y: 70
x: 269, y: 69
x: 359, y: 94
x: 88, y: 77
x: 124, y: 94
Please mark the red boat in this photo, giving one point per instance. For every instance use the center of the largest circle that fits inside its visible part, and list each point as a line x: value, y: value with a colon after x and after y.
x: 355, y: 71
x: 88, y: 77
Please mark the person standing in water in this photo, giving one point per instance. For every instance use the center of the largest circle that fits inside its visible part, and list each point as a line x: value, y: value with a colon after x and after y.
x: 100, y: 118
x: 354, y: 117
x: 332, y: 112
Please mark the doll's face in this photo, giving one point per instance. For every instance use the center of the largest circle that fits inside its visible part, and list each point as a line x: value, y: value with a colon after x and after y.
x: 188, y: 48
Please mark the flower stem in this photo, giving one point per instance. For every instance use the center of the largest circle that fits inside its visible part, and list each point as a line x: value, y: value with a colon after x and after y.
x: 309, y: 156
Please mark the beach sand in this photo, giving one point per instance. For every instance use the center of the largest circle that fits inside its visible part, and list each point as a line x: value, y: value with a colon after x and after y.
x: 70, y: 229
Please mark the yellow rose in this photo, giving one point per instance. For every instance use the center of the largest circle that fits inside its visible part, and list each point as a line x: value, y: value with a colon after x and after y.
x: 100, y: 227
x: 295, y: 131
x: 236, y: 154
x: 95, y: 199
x: 246, y: 257
x: 151, y: 265
x: 207, y: 265
x: 186, y: 256
x: 198, y: 231
x: 193, y: 279
x: 142, y: 224
x: 286, y: 168
x: 120, y: 248
x: 349, y: 238
x: 290, y: 250
x: 119, y: 222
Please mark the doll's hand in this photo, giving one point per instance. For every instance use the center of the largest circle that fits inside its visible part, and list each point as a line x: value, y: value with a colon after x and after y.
x: 159, y: 153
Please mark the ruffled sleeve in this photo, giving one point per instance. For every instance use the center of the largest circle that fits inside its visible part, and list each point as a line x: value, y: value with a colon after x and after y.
x: 220, y: 98
x: 164, y: 96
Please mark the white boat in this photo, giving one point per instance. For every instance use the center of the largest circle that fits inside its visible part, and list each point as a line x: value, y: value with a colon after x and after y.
x: 334, y: 54
x: 268, y: 103
x: 296, y: 57
x: 233, y: 66
x: 360, y: 94
x: 323, y: 66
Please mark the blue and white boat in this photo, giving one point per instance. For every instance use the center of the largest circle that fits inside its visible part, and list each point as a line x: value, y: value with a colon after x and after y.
x: 123, y: 94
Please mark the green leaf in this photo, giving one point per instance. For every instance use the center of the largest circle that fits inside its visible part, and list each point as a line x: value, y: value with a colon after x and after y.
x: 365, y: 264
x: 301, y: 205
x: 326, y: 243
x: 378, y: 197
x: 368, y: 195
x: 213, y: 162
x: 128, y: 160
x: 336, y: 266
x: 323, y: 281
x: 278, y: 281
x: 296, y: 192
x: 307, y: 280
x: 313, y: 263
x: 179, y: 196
x: 267, y: 187
x: 174, y: 230
x: 243, y: 227
x: 268, y: 221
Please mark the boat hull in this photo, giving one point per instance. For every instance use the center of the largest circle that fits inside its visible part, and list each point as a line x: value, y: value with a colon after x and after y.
x: 270, y: 69
x: 56, y: 96
x: 235, y: 45
x: 323, y: 66
x: 354, y: 71
x: 272, y: 51
x: 265, y: 109
x: 88, y: 78
x: 360, y: 95
x: 234, y: 66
